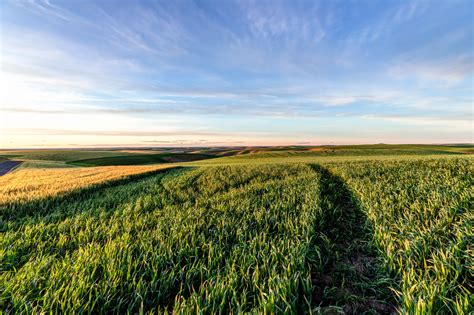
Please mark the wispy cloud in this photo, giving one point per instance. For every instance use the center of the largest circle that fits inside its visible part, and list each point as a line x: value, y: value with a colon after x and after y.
x: 115, y: 133
x: 45, y: 7
x: 258, y: 66
x: 464, y: 125
x: 446, y: 72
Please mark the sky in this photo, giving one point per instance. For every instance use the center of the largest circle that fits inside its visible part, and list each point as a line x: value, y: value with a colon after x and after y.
x: 213, y: 73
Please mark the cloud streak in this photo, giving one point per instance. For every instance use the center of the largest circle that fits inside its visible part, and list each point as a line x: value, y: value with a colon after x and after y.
x: 277, y: 64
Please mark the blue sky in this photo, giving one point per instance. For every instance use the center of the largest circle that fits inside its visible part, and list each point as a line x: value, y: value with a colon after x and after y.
x: 162, y: 73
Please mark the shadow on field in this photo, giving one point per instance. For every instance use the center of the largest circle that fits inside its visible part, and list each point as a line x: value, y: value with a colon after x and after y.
x: 352, y: 279
x: 15, y: 212
x: 48, y: 213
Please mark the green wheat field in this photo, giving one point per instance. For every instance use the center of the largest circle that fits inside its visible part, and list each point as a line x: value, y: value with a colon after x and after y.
x: 327, y: 230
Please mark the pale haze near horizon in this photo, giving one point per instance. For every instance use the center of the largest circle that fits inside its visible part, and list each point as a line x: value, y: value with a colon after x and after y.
x: 213, y: 73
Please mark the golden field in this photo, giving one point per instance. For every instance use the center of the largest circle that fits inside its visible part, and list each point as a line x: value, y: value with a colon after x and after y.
x: 29, y: 184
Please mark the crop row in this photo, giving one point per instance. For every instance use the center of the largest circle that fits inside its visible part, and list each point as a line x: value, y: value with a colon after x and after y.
x: 278, y: 238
